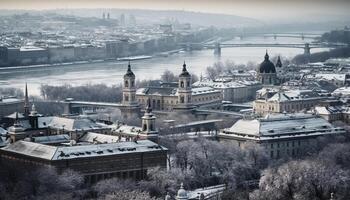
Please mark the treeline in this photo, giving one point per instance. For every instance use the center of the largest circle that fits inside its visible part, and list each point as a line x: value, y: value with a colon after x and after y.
x: 342, y: 36
x: 320, y: 177
x: 249, y: 174
x: 98, y: 92
x: 6, y: 92
x: 322, y: 56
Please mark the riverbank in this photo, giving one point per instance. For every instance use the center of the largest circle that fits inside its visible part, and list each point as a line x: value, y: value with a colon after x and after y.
x: 322, y: 56
x: 122, y: 59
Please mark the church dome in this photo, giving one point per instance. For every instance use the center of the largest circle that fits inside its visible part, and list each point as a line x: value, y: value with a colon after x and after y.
x: 181, y: 193
x: 129, y: 73
x: 267, y: 66
x: 184, y: 72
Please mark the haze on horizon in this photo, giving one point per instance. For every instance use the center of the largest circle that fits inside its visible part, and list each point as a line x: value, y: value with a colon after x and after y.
x: 265, y: 10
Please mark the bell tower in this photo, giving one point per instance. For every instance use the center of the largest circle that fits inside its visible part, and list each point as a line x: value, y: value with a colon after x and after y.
x: 184, y: 89
x: 130, y: 107
x: 129, y: 89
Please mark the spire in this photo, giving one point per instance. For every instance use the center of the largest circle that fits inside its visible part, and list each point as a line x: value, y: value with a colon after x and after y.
x: 184, y: 67
x: 26, y: 101
x: 279, y: 63
x: 129, y: 71
x: 266, y: 55
x: 184, y: 71
x: 129, y: 66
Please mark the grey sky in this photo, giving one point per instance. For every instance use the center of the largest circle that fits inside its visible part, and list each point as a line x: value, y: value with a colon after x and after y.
x: 267, y: 9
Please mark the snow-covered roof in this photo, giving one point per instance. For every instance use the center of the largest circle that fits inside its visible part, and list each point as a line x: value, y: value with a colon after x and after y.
x: 99, y: 138
x: 222, y: 84
x: 68, y: 124
x: 72, y: 152
x: 281, y: 125
x: 50, y: 139
x: 291, y: 95
x: 342, y: 91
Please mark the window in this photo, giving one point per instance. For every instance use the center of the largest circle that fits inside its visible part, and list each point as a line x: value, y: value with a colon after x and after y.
x: 271, y: 154
x: 271, y: 146
x: 144, y: 128
x: 126, y: 83
x: 182, y: 99
x: 188, y: 84
x: 182, y: 84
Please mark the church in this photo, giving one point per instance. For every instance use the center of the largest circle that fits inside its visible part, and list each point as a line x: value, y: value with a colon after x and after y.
x: 267, y: 73
x: 169, y: 96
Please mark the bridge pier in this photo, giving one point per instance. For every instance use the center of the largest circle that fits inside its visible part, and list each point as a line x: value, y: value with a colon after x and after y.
x: 217, y: 49
x: 307, y: 49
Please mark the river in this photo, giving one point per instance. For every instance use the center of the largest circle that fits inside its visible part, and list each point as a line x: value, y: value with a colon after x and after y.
x: 112, y: 72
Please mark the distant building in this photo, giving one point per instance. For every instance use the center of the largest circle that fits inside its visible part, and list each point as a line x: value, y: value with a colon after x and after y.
x: 334, y: 113
x: 9, y: 105
x: 166, y: 28
x: 287, y: 101
x: 338, y: 79
x: 281, y: 135
x: 236, y: 91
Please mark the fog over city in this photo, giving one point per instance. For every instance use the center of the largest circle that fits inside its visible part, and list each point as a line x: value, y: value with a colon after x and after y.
x: 175, y: 100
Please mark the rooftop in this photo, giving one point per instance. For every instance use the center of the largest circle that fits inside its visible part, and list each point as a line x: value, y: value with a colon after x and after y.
x: 282, y: 125
x: 47, y: 152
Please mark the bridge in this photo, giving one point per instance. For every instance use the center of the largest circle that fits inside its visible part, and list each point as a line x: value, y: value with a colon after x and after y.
x: 218, y: 46
x: 293, y: 35
x: 77, y: 107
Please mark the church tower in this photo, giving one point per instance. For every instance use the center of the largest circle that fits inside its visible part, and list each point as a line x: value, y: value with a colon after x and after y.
x: 184, y: 89
x: 149, y: 123
x: 129, y: 89
x: 33, y: 118
x: 16, y: 131
x: 26, y: 102
x: 130, y: 107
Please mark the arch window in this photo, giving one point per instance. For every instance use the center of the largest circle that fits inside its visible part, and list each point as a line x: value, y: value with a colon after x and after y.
x: 182, y: 84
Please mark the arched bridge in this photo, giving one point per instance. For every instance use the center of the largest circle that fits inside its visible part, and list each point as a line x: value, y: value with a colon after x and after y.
x: 306, y: 46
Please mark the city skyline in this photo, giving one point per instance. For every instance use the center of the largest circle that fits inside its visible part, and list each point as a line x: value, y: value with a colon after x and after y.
x: 263, y: 10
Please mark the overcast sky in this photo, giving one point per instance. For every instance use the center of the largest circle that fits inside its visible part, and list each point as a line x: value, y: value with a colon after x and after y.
x: 266, y: 9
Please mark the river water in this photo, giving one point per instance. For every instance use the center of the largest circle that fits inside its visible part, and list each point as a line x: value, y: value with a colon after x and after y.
x: 111, y: 73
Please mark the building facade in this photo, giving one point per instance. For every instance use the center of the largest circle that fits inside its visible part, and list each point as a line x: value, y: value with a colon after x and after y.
x: 95, y: 162
x: 281, y: 135
x: 287, y: 101
x: 179, y: 97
